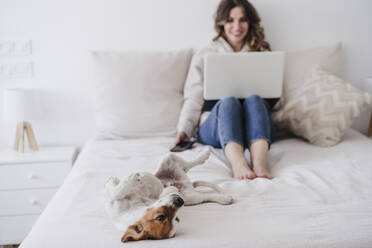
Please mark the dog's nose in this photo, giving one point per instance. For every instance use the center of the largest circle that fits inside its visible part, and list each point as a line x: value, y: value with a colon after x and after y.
x: 178, y: 201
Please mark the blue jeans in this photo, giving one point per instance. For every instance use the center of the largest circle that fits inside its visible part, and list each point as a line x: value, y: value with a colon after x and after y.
x: 231, y: 121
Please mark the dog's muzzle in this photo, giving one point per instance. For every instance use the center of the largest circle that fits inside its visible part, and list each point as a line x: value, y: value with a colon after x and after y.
x: 177, y: 200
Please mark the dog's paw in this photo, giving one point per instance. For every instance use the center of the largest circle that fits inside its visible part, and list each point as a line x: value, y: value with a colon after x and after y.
x: 205, y: 154
x: 226, y: 199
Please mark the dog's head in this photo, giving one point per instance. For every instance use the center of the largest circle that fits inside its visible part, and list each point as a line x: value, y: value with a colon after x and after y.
x: 159, y: 221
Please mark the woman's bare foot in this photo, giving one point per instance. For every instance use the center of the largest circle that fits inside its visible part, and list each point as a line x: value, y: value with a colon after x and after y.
x: 259, y: 151
x: 262, y: 171
x: 242, y: 171
x: 235, y: 154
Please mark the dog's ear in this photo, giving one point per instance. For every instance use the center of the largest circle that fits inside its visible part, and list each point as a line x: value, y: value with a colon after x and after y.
x: 134, y: 232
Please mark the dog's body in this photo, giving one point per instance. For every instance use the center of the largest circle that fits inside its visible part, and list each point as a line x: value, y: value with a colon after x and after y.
x: 131, y: 201
x: 172, y: 172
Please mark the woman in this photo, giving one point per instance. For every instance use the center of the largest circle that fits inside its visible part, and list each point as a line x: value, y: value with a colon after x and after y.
x: 230, y: 125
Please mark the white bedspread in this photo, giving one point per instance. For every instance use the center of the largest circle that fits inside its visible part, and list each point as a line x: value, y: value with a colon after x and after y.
x: 320, y: 197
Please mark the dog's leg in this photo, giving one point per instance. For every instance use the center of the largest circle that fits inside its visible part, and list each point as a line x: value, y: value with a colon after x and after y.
x: 199, y: 160
x: 193, y: 197
x: 172, y: 161
x: 207, y: 184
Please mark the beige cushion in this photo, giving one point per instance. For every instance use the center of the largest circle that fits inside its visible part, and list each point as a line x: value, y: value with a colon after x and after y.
x: 323, y: 109
x: 298, y: 63
x: 139, y: 93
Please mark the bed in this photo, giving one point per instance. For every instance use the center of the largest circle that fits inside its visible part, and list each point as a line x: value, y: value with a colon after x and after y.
x: 320, y: 196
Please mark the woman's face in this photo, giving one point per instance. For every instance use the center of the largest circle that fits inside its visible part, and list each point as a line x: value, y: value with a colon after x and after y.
x: 236, y: 28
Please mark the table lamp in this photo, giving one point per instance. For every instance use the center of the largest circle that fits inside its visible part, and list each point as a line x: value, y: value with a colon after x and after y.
x: 22, y: 105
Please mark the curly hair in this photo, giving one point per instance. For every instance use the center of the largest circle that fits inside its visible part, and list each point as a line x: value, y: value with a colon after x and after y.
x: 255, y: 37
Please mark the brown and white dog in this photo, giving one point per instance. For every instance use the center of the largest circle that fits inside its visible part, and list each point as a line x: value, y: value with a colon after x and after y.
x: 145, y: 206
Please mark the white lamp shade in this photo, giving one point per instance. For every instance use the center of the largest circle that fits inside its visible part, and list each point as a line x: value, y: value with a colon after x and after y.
x: 21, y: 105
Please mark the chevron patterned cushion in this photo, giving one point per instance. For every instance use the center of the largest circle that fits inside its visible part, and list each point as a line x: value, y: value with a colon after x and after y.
x: 323, y: 109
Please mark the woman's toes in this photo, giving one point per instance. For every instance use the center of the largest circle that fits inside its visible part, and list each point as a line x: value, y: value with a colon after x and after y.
x: 251, y: 175
x: 243, y: 172
x: 265, y: 175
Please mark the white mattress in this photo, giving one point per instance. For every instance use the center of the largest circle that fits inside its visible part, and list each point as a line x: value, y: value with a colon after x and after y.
x: 320, y: 197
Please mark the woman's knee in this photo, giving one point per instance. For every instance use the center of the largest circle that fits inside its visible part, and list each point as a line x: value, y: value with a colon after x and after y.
x: 255, y: 102
x: 256, y: 106
x: 230, y: 108
x: 229, y: 101
x: 253, y: 99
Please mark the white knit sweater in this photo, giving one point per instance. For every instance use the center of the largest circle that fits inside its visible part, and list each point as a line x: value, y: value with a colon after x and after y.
x: 193, y: 90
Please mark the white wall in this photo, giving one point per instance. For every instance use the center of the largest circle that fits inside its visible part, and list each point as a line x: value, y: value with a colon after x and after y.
x: 62, y: 33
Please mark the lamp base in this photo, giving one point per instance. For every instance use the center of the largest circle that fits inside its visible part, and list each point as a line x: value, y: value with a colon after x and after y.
x: 19, y: 142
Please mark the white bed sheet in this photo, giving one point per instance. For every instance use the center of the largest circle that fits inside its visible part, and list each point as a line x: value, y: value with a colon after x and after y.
x: 320, y: 197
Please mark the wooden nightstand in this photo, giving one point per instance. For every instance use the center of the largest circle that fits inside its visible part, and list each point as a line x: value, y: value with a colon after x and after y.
x: 27, y: 183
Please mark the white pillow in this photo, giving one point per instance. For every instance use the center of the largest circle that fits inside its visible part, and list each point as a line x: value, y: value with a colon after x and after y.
x: 140, y: 94
x: 323, y: 109
x: 298, y: 66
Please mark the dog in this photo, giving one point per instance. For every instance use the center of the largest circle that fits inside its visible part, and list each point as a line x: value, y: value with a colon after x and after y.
x: 145, y: 206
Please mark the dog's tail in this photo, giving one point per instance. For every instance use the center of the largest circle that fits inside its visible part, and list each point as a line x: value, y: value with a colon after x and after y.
x: 207, y: 184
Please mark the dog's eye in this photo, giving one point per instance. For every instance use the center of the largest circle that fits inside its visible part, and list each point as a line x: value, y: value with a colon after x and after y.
x: 160, y: 217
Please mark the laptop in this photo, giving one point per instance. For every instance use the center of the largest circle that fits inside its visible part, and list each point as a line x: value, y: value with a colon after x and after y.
x: 243, y: 74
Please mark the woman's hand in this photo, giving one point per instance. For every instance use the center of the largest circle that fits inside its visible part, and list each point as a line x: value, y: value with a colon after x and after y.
x: 182, y: 136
